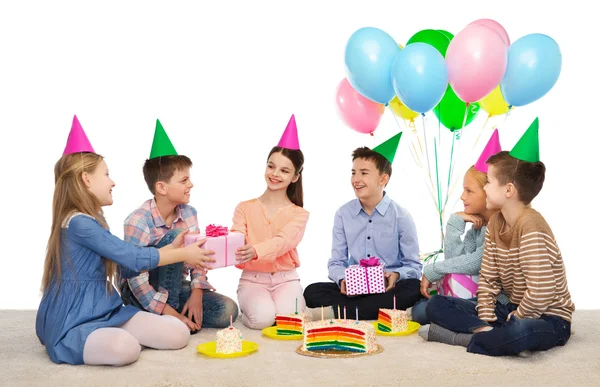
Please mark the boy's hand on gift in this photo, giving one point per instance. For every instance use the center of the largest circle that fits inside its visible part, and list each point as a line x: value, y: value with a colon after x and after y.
x: 193, y: 307
x: 343, y: 287
x: 510, y: 315
x: 199, y: 257
x: 477, y: 220
x: 391, y: 277
x: 180, y: 238
x: 245, y: 253
x: 424, y: 285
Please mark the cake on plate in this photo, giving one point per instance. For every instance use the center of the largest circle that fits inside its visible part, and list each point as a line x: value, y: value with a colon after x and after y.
x: 229, y: 340
x: 392, y: 320
x: 339, y: 335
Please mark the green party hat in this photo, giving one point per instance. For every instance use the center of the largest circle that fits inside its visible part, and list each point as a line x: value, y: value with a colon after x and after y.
x: 161, y: 145
x: 528, y: 147
x: 388, y: 148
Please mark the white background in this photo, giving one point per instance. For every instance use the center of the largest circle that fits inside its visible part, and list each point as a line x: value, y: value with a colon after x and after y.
x: 224, y: 79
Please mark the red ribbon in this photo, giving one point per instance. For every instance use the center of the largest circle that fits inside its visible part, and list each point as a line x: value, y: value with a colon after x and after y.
x: 213, y: 230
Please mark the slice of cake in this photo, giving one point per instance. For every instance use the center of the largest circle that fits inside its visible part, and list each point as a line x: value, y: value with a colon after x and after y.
x: 340, y: 335
x: 229, y: 340
x: 392, y: 320
x: 290, y: 324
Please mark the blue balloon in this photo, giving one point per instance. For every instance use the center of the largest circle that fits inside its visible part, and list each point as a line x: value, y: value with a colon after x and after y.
x: 534, y: 63
x: 420, y: 77
x: 369, y: 55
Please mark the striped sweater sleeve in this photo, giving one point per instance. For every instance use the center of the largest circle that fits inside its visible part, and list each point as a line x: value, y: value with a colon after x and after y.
x: 489, y: 282
x: 536, y: 253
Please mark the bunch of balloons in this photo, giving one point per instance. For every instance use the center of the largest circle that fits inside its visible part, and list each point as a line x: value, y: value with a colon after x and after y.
x: 455, y: 76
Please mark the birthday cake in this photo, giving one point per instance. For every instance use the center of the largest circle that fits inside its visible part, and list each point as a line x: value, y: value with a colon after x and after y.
x: 290, y: 324
x: 392, y: 320
x: 229, y: 340
x: 339, y: 335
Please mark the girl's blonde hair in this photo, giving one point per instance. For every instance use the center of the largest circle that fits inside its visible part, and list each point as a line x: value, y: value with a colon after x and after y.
x: 71, y: 196
x: 478, y: 175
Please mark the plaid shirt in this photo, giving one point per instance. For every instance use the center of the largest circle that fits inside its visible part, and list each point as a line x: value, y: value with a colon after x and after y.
x: 146, y: 227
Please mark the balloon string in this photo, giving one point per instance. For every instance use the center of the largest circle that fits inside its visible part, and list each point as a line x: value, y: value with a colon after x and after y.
x: 459, y: 138
x: 482, y: 130
x: 439, y: 192
x: 416, y: 158
x: 427, y: 154
x: 413, y: 154
x: 449, y: 165
x: 451, y: 190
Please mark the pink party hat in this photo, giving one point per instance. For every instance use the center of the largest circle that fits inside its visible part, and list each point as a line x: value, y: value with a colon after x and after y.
x: 492, y: 147
x: 289, y: 139
x: 77, y: 141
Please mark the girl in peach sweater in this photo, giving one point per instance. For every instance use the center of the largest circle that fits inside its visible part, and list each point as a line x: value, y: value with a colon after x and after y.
x: 274, y: 225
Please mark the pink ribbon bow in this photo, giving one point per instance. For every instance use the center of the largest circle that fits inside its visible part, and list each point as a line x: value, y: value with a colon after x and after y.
x: 366, y: 263
x: 369, y: 262
x: 213, y: 230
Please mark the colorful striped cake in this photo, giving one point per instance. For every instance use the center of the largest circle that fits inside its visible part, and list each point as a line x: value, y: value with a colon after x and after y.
x: 392, y: 320
x: 229, y: 340
x: 290, y: 324
x: 339, y: 335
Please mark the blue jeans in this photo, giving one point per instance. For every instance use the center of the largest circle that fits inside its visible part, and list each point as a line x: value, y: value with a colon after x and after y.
x: 508, y: 337
x: 216, y: 308
x: 418, y: 312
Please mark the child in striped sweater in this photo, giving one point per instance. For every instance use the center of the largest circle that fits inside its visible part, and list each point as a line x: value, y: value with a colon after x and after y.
x: 522, y: 259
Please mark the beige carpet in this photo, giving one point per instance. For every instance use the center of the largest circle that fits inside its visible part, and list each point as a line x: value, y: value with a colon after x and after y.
x: 24, y: 362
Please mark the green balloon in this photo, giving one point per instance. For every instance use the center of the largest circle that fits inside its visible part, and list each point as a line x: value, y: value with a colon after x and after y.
x: 434, y: 38
x: 451, y: 111
x: 446, y: 34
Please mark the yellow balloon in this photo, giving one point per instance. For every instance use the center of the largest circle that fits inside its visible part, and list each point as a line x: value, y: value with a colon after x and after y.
x: 401, y: 110
x: 494, y: 103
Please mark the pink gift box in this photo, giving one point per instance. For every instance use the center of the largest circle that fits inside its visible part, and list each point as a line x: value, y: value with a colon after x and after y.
x: 366, y: 278
x: 458, y: 285
x: 222, y: 242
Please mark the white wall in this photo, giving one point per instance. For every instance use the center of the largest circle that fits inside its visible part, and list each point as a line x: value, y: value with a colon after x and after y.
x: 224, y: 80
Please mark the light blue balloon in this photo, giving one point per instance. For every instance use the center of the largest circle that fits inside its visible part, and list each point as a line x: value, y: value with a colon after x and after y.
x: 534, y: 64
x: 369, y: 55
x: 419, y: 77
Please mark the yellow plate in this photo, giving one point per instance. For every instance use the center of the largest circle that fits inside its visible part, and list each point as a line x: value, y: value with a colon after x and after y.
x: 271, y: 332
x: 412, y: 328
x: 210, y: 349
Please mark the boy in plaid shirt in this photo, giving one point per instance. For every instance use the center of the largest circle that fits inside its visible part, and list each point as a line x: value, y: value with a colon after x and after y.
x: 157, y: 222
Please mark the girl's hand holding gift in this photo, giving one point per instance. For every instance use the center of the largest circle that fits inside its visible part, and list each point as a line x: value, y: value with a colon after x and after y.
x: 245, y: 253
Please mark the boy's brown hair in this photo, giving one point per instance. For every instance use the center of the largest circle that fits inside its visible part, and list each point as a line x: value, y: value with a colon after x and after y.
x: 163, y: 168
x: 527, y: 177
x: 382, y: 164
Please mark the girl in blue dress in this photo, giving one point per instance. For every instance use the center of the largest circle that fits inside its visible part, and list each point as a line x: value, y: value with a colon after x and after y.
x: 81, y: 318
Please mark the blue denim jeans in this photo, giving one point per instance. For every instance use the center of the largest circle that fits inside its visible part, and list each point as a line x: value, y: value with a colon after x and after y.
x: 216, y: 308
x: 508, y: 337
x: 418, y: 312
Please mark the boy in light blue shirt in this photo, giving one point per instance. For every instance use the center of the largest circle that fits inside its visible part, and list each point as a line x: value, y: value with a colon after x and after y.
x: 372, y: 225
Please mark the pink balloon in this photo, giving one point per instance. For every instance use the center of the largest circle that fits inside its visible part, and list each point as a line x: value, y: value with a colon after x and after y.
x: 476, y: 60
x: 494, y: 26
x: 358, y: 112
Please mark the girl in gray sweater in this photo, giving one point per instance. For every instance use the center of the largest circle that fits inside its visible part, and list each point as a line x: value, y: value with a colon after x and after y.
x: 461, y: 256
